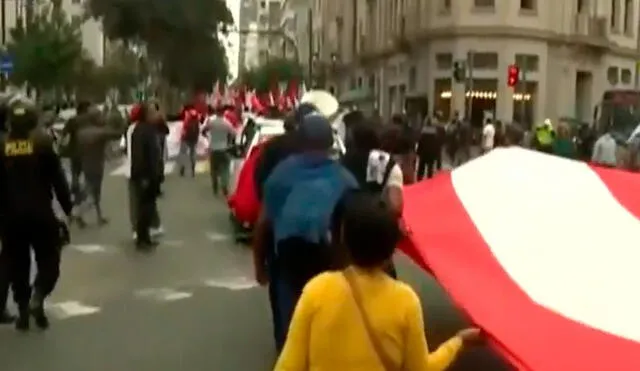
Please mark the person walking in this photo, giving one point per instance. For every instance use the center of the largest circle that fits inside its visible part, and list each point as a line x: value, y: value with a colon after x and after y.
x: 144, y: 154
x: 358, y: 317
x: 93, y: 139
x: 219, y: 131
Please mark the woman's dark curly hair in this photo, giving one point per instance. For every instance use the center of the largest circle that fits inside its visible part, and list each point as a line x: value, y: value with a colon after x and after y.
x: 370, y: 230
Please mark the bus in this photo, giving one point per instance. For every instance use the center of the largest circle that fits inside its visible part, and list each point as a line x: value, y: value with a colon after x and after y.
x: 618, y: 112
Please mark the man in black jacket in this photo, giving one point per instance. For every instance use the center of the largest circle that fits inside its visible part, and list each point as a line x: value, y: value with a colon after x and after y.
x: 29, y: 171
x: 145, y: 172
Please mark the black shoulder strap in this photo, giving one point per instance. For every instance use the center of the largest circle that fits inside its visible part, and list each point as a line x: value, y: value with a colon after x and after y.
x: 387, y: 172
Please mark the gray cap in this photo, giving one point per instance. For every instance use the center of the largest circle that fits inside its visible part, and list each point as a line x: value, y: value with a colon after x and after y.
x: 315, y: 132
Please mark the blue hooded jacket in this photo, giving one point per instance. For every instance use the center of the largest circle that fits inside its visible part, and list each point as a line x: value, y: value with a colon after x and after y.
x: 301, y: 194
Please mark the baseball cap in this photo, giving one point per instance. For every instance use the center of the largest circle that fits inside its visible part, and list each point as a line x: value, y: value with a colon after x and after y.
x: 315, y: 132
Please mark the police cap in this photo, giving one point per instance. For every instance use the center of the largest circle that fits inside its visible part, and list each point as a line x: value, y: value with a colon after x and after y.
x: 22, y: 115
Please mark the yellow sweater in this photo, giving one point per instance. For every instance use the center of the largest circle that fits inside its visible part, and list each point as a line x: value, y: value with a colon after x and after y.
x: 327, y: 332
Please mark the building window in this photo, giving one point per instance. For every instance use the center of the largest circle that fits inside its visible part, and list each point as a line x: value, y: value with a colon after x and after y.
x: 528, y: 62
x: 445, y: 6
x: 625, y: 76
x: 528, y: 5
x: 359, y: 82
x: 485, y: 61
x: 444, y: 61
x: 612, y: 75
x: 263, y: 5
x: 628, y: 17
x: 582, y: 7
x: 413, y: 78
x: 484, y: 3
x: 614, y: 14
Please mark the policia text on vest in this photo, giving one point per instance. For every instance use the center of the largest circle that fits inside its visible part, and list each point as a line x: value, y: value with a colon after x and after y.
x: 14, y: 148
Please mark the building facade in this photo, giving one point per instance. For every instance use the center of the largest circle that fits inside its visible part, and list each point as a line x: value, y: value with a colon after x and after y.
x: 93, y: 39
x: 247, y: 23
x: 569, y: 53
x: 297, y: 27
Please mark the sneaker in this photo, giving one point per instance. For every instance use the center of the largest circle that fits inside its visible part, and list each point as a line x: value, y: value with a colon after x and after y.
x: 155, y: 232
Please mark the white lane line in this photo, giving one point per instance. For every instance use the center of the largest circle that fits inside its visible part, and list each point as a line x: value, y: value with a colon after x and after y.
x: 88, y: 248
x: 68, y: 309
x: 232, y: 283
x: 164, y: 294
x: 218, y: 237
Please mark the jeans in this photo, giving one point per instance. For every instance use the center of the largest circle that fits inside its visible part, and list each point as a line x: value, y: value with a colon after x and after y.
x: 219, y: 169
x: 93, y: 185
x: 187, y: 157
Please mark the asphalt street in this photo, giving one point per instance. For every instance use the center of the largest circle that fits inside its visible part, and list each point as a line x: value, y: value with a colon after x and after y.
x: 190, y: 305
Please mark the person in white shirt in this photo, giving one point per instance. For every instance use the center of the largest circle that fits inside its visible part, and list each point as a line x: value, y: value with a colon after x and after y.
x: 604, y: 151
x: 221, y: 135
x: 488, y: 136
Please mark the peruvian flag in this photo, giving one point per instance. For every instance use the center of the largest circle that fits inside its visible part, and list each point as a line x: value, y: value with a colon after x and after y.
x: 540, y: 252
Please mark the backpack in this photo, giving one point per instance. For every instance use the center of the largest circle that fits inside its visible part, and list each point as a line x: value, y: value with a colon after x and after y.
x: 302, y: 195
x: 192, y: 129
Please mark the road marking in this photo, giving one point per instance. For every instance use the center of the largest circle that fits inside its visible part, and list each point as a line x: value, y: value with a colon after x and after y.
x: 172, y: 243
x: 202, y: 167
x: 164, y: 294
x: 88, y: 248
x: 218, y: 237
x: 68, y: 309
x: 232, y: 283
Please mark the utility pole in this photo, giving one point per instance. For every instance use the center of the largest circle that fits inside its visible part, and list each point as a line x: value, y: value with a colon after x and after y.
x: 469, y: 85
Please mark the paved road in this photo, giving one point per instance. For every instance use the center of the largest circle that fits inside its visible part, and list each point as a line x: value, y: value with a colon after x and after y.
x: 190, y: 305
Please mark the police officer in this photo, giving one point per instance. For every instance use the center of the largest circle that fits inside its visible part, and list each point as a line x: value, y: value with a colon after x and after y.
x: 29, y: 170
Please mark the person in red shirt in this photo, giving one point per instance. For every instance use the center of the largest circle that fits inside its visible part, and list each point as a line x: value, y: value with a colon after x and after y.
x: 191, y: 120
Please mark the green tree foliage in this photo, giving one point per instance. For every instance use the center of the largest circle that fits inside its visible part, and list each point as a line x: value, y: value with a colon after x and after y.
x: 123, y: 70
x: 264, y: 77
x: 181, y: 35
x: 47, y: 49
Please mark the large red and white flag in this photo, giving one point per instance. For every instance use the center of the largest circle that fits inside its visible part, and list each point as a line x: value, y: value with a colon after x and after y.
x: 539, y: 251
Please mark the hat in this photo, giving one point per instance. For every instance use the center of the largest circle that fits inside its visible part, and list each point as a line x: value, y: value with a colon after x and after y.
x: 315, y: 132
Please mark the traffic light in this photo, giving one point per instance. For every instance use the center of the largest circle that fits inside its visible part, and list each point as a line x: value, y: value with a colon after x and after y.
x: 513, y: 75
x: 459, y: 71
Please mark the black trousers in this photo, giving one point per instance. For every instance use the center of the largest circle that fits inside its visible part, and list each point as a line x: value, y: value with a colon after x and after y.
x: 146, y: 196
x: 428, y: 164
x: 20, y: 239
x: 4, y: 281
x: 76, y: 173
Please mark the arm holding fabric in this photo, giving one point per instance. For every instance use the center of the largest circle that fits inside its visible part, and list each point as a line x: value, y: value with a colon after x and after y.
x: 417, y: 355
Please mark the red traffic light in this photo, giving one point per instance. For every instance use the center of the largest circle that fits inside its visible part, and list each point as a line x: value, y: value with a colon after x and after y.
x: 513, y: 75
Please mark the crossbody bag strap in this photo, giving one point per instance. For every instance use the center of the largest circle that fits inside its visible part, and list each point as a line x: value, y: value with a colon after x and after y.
x: 386, y: 362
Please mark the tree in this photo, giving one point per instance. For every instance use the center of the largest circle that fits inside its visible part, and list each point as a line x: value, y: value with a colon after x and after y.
x: 47, y: 49
x: 182, y: 36
x: 264, y: 77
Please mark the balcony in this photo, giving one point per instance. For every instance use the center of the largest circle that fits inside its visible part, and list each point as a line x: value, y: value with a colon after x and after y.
x: 590, y: 31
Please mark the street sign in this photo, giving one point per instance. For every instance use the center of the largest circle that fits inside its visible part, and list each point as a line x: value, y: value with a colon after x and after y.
x: 6, y: 64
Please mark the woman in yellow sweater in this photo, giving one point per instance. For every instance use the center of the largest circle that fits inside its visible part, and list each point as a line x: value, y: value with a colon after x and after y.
x: 360, y: 318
